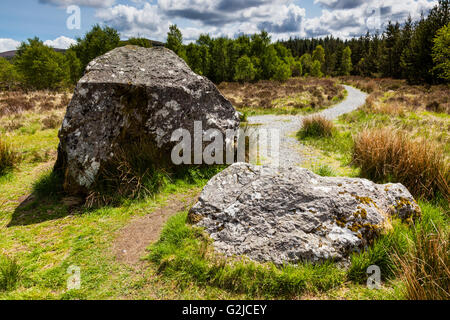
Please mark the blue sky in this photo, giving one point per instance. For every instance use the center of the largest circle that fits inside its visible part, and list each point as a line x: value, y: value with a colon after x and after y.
x: 22, y: 19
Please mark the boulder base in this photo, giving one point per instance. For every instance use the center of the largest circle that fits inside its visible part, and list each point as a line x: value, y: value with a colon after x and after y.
x: 289, y: 215
x: 134, y: 95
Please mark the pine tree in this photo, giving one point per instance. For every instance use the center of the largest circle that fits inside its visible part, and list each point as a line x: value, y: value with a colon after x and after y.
x: 346, y: 62
x: 175, y: 42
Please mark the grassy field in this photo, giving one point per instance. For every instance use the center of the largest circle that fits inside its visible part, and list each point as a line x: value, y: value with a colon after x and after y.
x: 399, y: 135
x: 44, y: 232
x: 295, y: 96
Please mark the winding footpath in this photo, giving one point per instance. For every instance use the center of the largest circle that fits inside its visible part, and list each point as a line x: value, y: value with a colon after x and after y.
x: 292, y: 152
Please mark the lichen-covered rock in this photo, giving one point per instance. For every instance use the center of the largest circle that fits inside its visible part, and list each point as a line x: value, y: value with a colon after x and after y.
x: 134, y: 94
x: 291, y: 214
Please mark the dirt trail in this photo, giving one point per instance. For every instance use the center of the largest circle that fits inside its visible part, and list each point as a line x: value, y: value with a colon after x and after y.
x: 291, y: 151
x: 140, y: 232
x: 136, y: 236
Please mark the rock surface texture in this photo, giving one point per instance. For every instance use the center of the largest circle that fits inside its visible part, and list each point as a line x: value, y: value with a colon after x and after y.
x: 130, y: 95
x: 292, y: 215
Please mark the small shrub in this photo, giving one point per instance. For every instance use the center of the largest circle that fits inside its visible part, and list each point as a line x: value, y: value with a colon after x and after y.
x: 324, y: 170
x: 316, y: 126
x: 387, y: 154
x: 8, y: 157
x: 10, y: 273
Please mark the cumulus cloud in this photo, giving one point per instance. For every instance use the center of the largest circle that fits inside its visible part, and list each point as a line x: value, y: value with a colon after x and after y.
x: 340, y: 4
x: 60, y: 42
x: 281, y: 18
x: 131, y: 21
x: 216, y: 17
x: 8, y: 44
x: 83, y: 3
x: 349, y: 18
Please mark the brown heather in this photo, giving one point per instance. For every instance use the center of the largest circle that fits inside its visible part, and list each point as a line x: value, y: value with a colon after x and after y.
x: 389, y: 154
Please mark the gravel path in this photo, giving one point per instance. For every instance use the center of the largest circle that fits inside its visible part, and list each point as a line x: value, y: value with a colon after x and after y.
x: 292, y: 152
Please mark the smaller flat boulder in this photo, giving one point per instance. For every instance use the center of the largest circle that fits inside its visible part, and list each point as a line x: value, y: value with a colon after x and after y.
x: 290, y: 215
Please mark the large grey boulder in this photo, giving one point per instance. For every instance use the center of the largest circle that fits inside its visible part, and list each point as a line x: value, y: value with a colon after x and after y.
x: 130, y: 95
x: 288, y: 215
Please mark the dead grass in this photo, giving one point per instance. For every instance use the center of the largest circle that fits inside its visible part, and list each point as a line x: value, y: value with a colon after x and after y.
x: 426, y: 268
x: 316, y: 126
x: 51, y: 122
x: 296, y: 93
x: 398, y: 95
x: 17, y: 102
x: 390, y: 154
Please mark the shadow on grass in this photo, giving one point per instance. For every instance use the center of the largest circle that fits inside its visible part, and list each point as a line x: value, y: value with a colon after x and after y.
x: 47, y: 202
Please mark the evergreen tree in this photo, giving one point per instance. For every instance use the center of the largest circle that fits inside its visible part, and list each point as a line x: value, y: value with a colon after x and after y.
x: 244, y: 71
x: 346, y: 62
x: 95, y: 43
x: 441, y: 52
x: 316, y: 69
x: 306, y: 61
x: 175, y: 41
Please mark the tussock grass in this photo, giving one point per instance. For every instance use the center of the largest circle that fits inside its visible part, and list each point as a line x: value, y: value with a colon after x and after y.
x: 316, y: 126
x: 380, y: 254
x: 426, y: 268
x: 184, y: 253
x: 324, y: 170
x: 10, y: 273
x: 417, y: 254
x: 8, y: 157
x: 387, y: 154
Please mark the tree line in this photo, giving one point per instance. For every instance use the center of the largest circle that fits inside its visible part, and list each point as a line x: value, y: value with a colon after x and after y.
x: 37, y: 66
x: 417, y: 51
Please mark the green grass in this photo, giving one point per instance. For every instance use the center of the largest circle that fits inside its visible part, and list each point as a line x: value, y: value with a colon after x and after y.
x: 9, y: 158
x: 10, y: 273
x: 45, y: 237
x: 339, y: 144
x: 185, y: 253
x: 324, y: 170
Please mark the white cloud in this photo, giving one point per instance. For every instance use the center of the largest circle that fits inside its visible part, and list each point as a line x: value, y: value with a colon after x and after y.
x: 60, y: 42
x: 83, y: 3
x: 349, y: 18
x: 216, y: 17
x: 131, y: 21
x: 8, y: 44
x: 281, y: 18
